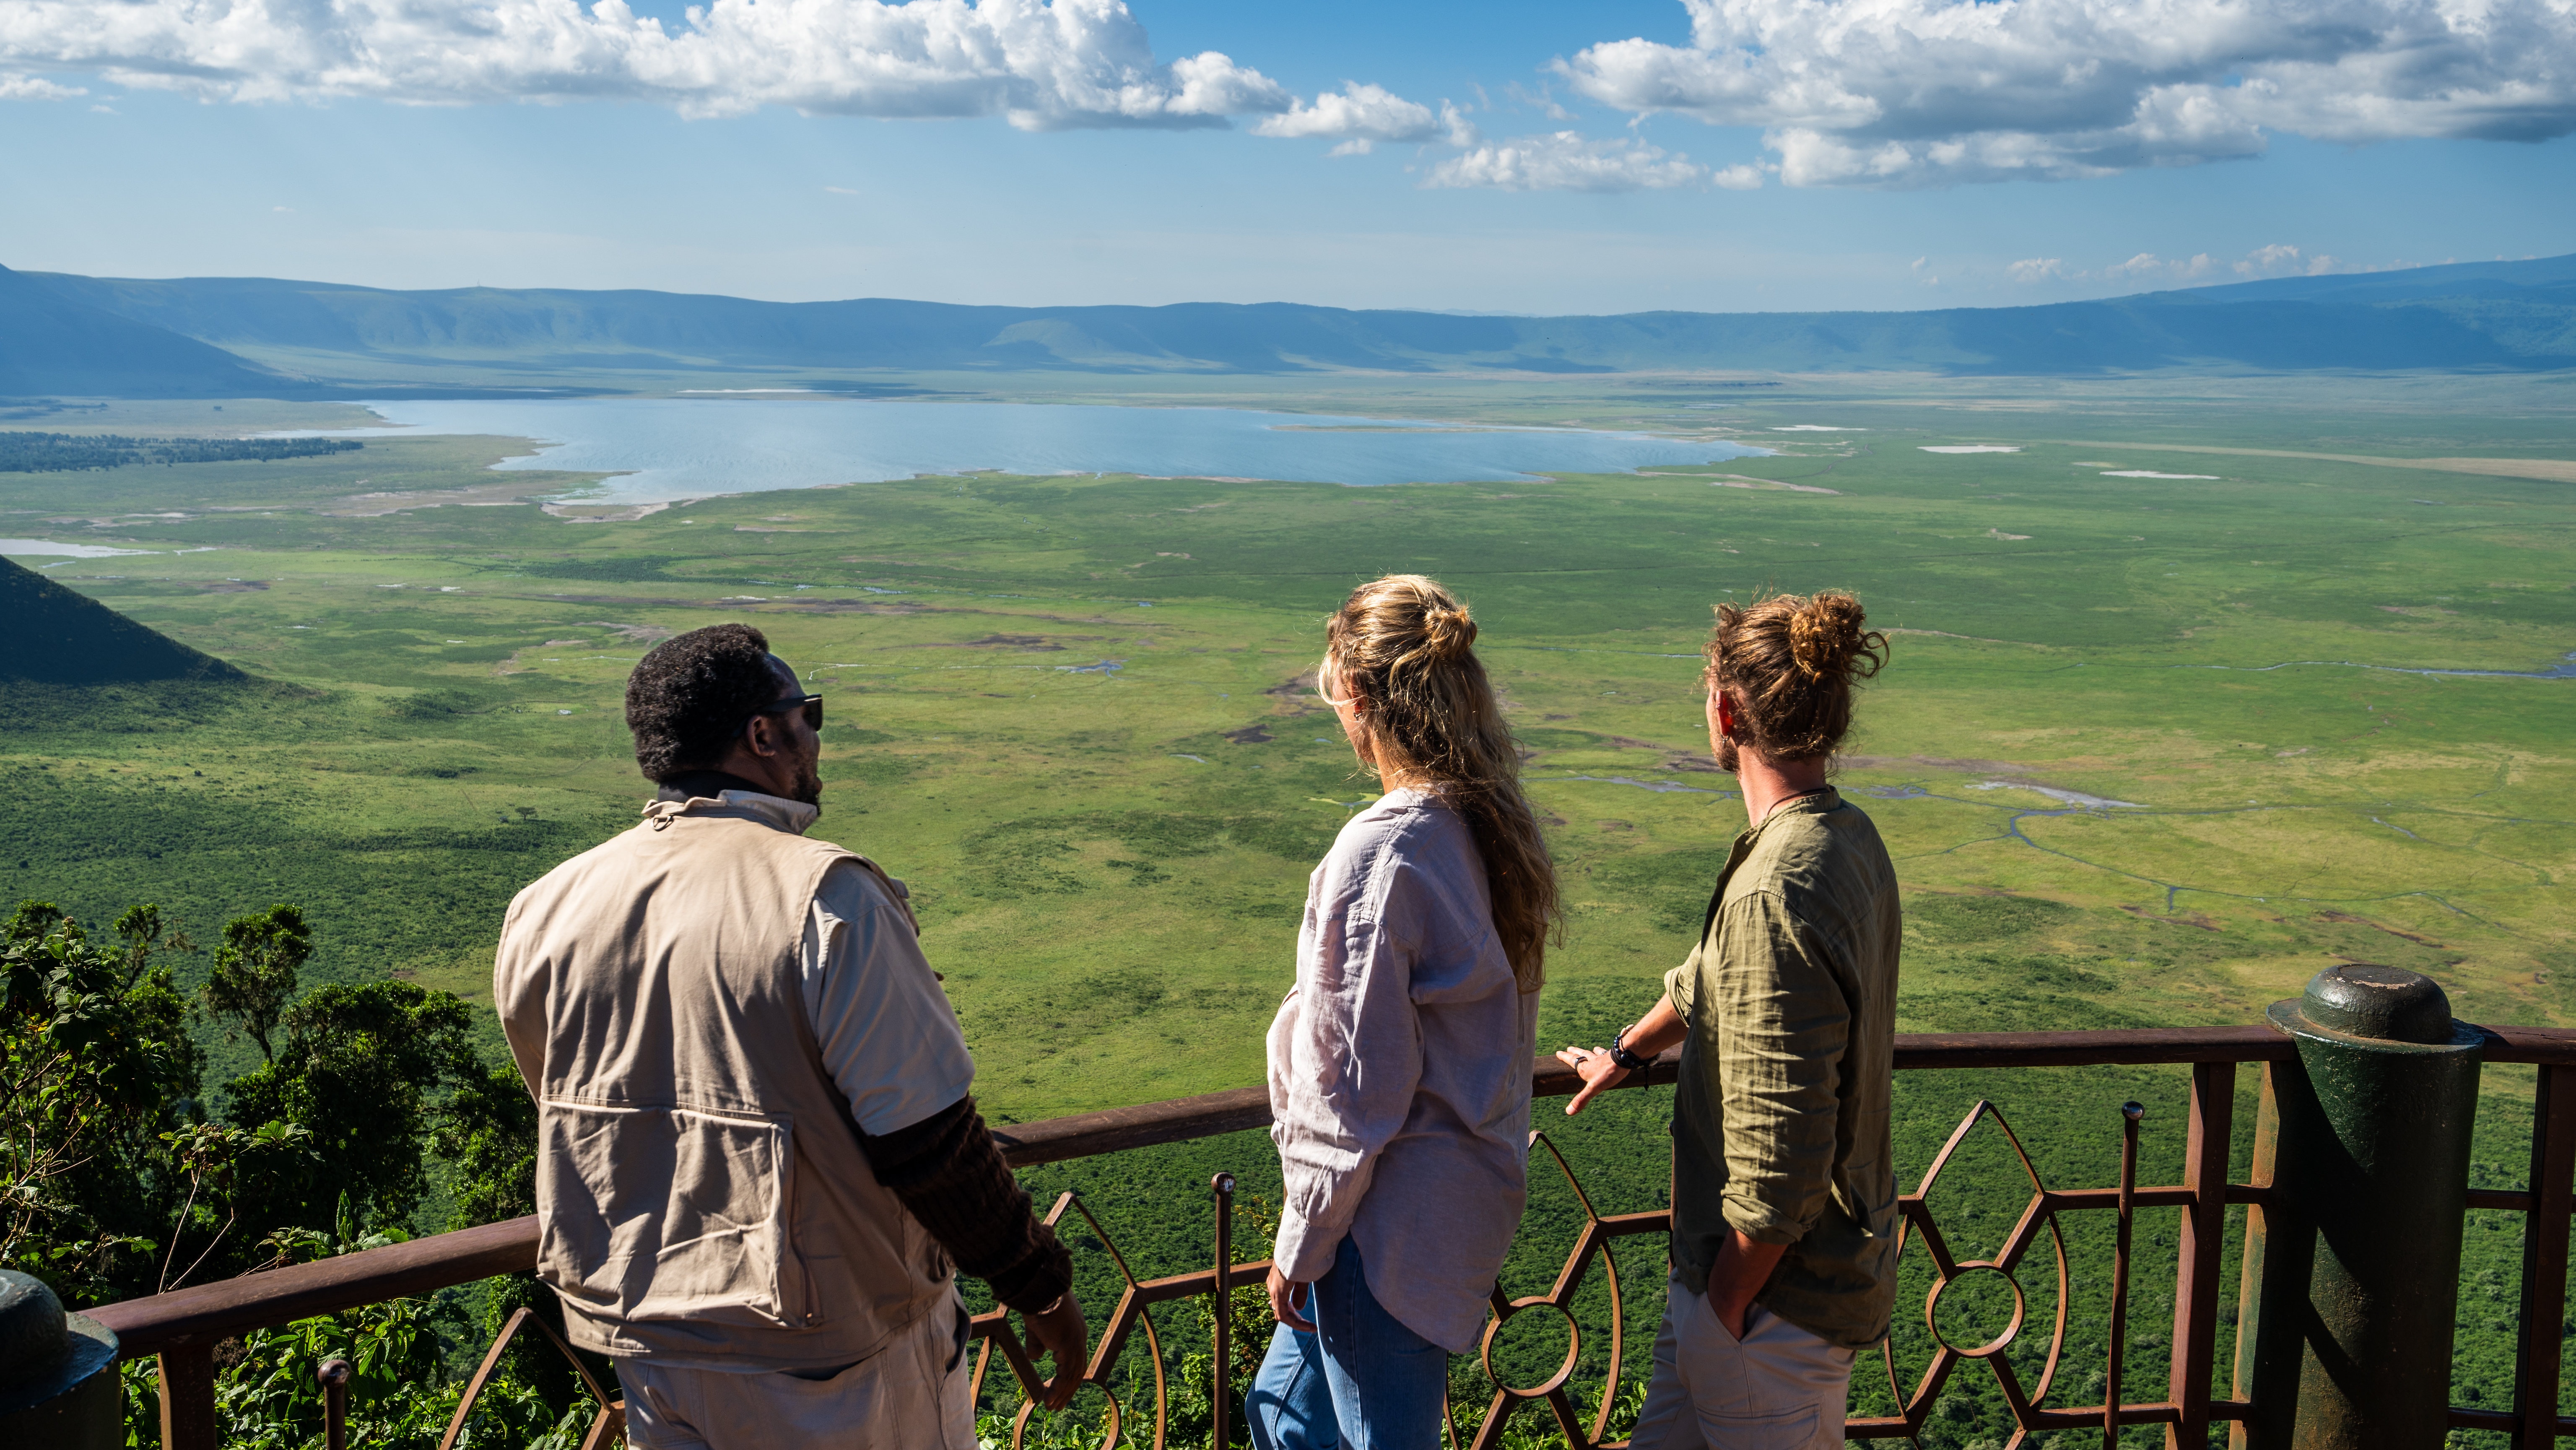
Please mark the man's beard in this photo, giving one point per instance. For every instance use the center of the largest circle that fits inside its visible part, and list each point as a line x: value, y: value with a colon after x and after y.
x: 809, y: 780
x: 1726, y: 753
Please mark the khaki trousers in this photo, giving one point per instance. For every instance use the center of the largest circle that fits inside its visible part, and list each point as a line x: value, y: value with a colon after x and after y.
x: 903, y: 1397
x: 1777, y: 1388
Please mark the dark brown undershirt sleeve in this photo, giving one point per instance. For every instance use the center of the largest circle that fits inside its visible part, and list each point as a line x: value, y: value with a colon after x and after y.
x: 949, y: 1172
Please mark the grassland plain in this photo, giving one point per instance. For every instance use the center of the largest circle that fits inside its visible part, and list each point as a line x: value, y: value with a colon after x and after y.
x: 1073, y: 712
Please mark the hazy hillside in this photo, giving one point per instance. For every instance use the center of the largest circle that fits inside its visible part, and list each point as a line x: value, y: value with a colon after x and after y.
x: 2488, y: 316
x: 59, y: 636
x: 51, y: 342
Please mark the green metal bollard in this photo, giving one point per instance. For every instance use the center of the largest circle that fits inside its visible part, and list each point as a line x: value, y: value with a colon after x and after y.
x: 58, y: 1384
x: 2353, y: 1268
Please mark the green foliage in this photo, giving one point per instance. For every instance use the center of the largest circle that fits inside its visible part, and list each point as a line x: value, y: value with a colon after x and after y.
x: 488, y: 1129
x: 268, y: 1397
x: 22, y: 452
x: 224, y: 1164
x: 440, y: 704
x: 255, y: 968
x: 363, y: 1069
x: 95, y: 1065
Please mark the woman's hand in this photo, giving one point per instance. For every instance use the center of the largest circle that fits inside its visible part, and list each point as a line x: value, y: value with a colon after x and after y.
x: 1287, y: 1297
x: 1598, y: 1071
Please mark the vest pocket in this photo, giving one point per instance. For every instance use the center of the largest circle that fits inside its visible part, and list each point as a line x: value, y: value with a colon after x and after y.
x: 664, y: 1213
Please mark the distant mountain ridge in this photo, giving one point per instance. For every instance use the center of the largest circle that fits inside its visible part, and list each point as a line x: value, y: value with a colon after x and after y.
x: 60, y: 636
x: 52, y: 342
x: 303, y: 336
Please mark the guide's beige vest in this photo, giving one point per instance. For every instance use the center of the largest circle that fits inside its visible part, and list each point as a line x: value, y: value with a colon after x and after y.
x: 701, y: 1193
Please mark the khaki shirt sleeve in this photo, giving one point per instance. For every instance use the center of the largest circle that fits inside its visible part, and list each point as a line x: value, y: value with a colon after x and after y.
x: 1774, y: 1020
x: 887, y: 1033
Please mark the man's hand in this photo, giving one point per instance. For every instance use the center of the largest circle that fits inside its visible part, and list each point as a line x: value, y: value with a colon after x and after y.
x: 1287, y: 1297
x: 1743, y: 1266
x: 1059, y: 1331
x: 1596, y: 1069
x: 1649, y: 1035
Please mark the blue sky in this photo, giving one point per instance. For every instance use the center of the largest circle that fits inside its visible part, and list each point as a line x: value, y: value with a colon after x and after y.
x: 1505, y: 156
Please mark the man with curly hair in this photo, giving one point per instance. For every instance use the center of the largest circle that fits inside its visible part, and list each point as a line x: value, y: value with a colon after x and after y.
x: 1784, y: 1180
x: 758, y: 1164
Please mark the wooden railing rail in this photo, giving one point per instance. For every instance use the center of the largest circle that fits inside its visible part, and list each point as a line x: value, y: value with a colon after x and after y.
x: 183, y: 1327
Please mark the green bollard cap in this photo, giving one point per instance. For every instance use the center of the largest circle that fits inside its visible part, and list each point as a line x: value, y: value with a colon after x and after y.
x: 2362, y: 999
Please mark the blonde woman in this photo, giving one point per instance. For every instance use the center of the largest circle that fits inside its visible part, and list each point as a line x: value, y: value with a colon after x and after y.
x: 1400, y: 1063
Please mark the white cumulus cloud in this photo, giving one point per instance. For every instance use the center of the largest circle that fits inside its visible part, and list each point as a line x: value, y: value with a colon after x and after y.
x: 1044, y: 64
x: 1571, y: 161
x: 2277, y: 260
x: 2154, y: 268
x: 35, y: 88
x: 1930, y: 92
x: 1359, y: 113
x: 2286, y: 261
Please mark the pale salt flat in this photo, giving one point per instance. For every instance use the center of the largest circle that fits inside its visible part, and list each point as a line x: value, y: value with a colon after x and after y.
x: 77, y: 551
x: 2150, y: 473
x: 1967, y: 448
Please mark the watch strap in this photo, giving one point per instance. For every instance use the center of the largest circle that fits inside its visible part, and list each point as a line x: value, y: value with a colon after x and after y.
x: 1628, y: 1061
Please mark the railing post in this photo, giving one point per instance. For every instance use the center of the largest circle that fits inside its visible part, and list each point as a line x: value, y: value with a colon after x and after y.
x: 2540, y: 1357
x: 2130, y: 1114
x: 334, y: 1375
x: 2204, y: 1229
x: 2263, y: 1225
x: 1223, y: 1184
x: 188, y: 1397
x: 2373, y: 1160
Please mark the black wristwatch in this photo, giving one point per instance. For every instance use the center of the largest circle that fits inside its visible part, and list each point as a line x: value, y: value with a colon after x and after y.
x: 1619, y: 1053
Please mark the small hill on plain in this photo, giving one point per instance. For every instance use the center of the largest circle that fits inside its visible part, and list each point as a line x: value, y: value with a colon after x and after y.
x: 60, y: 636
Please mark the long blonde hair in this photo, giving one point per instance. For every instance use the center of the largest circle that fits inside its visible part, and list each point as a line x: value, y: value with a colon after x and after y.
x: 1404, y: 644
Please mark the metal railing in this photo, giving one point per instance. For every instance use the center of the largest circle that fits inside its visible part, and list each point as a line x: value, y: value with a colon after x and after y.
x: 182, y: 1328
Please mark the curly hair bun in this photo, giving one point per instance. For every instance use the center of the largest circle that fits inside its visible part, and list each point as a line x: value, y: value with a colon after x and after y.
x: 1447, y: 631
x: 1826, y: 635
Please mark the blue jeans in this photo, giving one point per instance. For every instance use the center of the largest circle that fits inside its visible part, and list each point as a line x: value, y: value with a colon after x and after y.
x: 1361, y: 1382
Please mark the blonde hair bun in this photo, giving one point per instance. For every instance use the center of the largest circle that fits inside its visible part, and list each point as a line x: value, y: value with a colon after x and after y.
x: 1405, y: 647
x: 1825, y: 633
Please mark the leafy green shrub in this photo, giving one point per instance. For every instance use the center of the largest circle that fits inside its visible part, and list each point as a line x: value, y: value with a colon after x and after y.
x: 95, y: 1067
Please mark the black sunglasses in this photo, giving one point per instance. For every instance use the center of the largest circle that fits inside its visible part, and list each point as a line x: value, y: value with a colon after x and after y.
x: 812, y: 705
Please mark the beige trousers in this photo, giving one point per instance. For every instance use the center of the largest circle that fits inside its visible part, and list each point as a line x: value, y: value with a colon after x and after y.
x: 903, y: 1397
x: 1777, y: 1388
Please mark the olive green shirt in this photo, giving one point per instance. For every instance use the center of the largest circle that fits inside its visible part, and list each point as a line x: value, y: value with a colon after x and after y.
x: 1780, y: 1118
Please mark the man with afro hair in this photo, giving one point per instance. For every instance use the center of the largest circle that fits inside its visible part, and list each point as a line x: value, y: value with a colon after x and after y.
x: 759, y: 1167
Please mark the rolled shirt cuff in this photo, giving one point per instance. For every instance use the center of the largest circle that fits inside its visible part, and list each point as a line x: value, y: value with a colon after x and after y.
x: 1760, y: 1222
x: 1677, y: 987
x: 1304, y: 1251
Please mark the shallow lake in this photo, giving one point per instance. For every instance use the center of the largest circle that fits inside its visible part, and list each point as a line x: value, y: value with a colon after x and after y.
x: 678, y: 448
x: 77, y: 551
